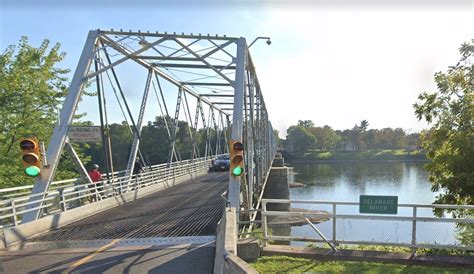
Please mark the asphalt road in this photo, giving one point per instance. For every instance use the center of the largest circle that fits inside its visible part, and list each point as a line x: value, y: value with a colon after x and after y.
x: 192, y: 208
x: 173, y: 259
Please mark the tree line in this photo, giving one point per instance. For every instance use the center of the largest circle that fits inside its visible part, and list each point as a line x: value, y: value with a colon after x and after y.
x: 306, y: 136
x: 155, y: 142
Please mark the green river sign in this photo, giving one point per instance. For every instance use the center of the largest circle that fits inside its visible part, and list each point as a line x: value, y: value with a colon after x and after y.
x: 378, y: 204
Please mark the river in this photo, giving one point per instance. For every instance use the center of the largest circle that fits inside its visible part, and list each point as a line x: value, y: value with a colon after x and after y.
x: 345, y: 181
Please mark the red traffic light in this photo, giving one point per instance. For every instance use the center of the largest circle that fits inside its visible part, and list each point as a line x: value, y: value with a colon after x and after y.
x: 236, y: 158
x: 30, y: 156
x: 28, y: 144
x: 237, y: 146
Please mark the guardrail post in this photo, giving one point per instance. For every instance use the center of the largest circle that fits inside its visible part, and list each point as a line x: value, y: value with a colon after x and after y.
x: 62, y: 201
x: 334, y: 223
x: 413, y: 229
x: 15, y: 221
x: 264, y: 217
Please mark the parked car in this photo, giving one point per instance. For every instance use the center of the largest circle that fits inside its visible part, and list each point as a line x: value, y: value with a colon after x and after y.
x: 222, y: 163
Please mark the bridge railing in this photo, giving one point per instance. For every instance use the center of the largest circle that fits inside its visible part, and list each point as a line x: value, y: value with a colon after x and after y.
x: 71, y: 196
x: 20, y: 191
x: 414, y: 226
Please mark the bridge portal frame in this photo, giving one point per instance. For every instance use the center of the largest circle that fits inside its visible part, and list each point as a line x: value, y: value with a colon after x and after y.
x: 250, y: 122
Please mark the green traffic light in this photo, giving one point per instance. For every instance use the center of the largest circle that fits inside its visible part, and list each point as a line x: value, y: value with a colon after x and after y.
x: 32, y: 171
x: 237, y: 171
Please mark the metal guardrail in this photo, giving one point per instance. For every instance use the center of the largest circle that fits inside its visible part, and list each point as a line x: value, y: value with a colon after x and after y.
x: 19, y: 191
x: 413, y: 219
x: 71, y: 196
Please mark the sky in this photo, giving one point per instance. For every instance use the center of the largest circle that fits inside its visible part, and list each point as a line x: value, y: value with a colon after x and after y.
x: 335, y: 64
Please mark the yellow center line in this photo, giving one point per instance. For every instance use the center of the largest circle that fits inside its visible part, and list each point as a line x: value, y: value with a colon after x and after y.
x: 93, y: 254
x: 113, y: 242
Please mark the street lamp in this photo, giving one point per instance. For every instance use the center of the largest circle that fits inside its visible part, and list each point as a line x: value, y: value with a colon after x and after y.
x: 261, y: 37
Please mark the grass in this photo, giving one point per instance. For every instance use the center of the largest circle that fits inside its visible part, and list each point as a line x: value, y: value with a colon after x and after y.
x: 283, y: 264
x: 400, y: 249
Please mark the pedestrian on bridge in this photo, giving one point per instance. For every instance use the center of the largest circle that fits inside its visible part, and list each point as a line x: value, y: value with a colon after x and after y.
x: 96, y: 186
x: 137, y: 168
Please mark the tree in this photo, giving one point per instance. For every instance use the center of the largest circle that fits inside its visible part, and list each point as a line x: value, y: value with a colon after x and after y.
x: 31, y: 89
x: 364, y: 124
x: 450, y: 141
x: 305, y: 123
x: 413, y: 141
x: 300, y: 139
x: 371, y: 138
x: 326, y: 138
x: 356, y: 138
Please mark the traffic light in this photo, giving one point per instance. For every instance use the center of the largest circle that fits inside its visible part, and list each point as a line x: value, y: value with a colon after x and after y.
x: 236, y: 158
x: 30, y: 156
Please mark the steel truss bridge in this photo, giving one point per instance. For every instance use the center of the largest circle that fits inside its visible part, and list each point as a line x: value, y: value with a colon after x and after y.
x: 208, y: 82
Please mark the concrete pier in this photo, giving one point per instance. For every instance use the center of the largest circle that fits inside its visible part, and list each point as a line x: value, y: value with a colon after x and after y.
x: 277, y: 188
x: 277, y: 185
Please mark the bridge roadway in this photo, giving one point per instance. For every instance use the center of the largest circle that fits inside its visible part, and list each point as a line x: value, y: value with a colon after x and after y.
x: 134, y: 237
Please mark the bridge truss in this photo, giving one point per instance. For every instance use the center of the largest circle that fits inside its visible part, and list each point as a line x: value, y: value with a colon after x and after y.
x: 209, y: 81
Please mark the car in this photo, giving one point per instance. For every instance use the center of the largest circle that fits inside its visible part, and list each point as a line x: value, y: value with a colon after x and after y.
x: 221, y: 163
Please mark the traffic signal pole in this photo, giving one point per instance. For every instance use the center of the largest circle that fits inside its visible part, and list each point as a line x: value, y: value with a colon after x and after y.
x: 237, y: 119
x: 58, y: 138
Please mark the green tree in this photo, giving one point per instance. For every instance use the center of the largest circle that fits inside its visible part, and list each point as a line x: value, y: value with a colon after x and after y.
x: 31, y: 89
x: 364, y: 124
x: 300, y: 139
x: 413, y: 141
x: 357, y: 138
x: 326, y: 138
x: 450, y: 141
x: 306, y: 123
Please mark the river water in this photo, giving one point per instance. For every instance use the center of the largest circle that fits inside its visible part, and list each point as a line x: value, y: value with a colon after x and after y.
x: 345, y: 181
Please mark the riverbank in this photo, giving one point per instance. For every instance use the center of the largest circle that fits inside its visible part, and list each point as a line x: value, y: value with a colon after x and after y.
x: 399, y: 155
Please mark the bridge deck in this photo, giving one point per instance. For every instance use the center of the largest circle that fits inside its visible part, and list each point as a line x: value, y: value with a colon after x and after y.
x: 192, y: 208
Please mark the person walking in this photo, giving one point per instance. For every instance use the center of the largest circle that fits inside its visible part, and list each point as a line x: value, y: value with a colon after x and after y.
x: 96, y: 177
x: 137, y: 168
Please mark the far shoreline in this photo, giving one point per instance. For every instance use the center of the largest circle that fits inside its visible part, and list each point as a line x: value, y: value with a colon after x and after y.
x: 367, y: 156
x: 329, y: 161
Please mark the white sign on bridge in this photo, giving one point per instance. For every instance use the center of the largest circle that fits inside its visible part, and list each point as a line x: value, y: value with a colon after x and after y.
x: 85, y: 134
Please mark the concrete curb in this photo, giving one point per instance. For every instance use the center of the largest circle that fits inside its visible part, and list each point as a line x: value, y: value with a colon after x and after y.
x: 18, y: 234
x: 226, y: 259
x: 235, y: 265
x: 365, y: 255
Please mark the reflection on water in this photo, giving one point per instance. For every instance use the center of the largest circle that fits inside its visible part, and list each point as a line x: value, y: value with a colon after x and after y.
x: 345, y: 181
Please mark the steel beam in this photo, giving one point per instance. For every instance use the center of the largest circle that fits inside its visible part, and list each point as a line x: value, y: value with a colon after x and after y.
x: 127, y: 57
x: 191, y: 66
x: 217, y: 95
x: 237, y: 120
x: 58, y: 138
x: 165, y: 58
x: 163, y: 34
x: 136, y: 137
x: 77, y: 161
x: 170, y: 79
x: 206, y: 84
